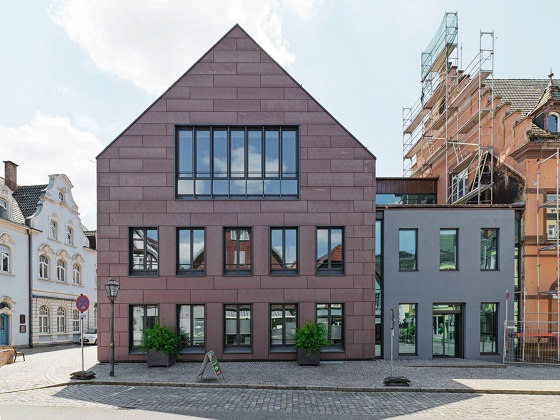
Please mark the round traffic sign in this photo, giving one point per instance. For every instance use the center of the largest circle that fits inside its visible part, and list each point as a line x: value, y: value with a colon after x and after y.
x: 82, y: 303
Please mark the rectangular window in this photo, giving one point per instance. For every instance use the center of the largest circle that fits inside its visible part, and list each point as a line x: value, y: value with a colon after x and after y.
x: 190, y: 251
x: 407, y: 328
x: 459, y: 185
x: 488, y: 249
x: 237, y: 250
x: 75, y: 320
x: 237, y: 325
x: 283, y: 250
x: 408, y: 241
x: 378, y: 288
x: 331, y: 314
x: 141, y: 317
x: 330, y: 250
x: 191, y: 325
x: 448, y: 249
x: 551, y: 225
x: 144, y: 251
x: 283, y: 323
x: 237, y: 162
x: 488, y: 328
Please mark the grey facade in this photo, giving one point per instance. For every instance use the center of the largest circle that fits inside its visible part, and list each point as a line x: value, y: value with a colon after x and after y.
x: 466, y: 287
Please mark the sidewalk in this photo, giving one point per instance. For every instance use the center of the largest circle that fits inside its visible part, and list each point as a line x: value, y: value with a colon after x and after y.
x: 54, y: 368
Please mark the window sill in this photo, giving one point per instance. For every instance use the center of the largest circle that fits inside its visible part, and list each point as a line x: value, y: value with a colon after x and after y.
x: 4, y: 273
x: 55, y: 240
x: 238, y: 273
x: 76, y: 284
x: 136, y: 351
x: 333, y: 349
x: 409, y: 271
x: 191, y: 274
x: 285, y: 273
x: 329, y: 273
x: 489, y: 269
x: 41, y: 278
x: 192, y: 350
x: 143, y: 274
x: 238, y: 350
x: 282, y: 349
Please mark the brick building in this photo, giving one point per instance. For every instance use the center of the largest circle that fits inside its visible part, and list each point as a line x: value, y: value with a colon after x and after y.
x: 234, y: 208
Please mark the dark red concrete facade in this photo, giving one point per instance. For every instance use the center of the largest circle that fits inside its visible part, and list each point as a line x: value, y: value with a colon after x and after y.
x: 237, y: 83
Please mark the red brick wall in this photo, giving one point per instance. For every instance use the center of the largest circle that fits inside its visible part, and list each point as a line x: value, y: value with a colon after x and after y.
x: 237, y: 83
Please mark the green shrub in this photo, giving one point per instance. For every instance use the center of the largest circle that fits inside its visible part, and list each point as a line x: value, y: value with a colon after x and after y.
x: 161, y: 338
x: 311, y: 337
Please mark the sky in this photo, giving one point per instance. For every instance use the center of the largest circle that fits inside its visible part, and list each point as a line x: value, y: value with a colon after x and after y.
x: 76, y: 73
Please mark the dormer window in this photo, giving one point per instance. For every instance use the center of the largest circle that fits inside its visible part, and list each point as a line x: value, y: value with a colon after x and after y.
x: 552, y: 123
x: 3, y: 203
x: 61, y: 196
x: 53, y: 230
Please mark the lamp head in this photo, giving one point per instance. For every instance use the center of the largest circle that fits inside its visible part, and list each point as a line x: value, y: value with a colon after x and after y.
x: 112, y: 288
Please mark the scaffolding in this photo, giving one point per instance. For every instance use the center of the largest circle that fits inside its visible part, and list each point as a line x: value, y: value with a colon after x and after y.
x: 543, y: 327
x: 453, y: 118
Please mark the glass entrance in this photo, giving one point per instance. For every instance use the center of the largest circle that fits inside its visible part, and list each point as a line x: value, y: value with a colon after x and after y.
x: 447, y: 331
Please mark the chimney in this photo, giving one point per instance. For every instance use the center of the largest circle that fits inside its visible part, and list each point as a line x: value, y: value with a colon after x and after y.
x: 10, y: 174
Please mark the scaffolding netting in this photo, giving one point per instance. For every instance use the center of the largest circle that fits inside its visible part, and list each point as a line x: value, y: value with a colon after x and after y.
x: 444, y: 38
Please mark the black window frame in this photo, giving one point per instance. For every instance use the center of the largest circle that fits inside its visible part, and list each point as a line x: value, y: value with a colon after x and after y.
x: 415, y: 304
x: 237, y: 348
x: 456, y: 249
x: 329, y: 271
x: 178, y: 175
x: 284, y: 347
x: 333, y: 347
x: 495, y: 326
x: 415, y: 249
x: 131, y: 348
x: 283, y: 271
x: 191, y: 271
x: 497, y: 249
x: 198, y: 348
x: 131, y: 270
x: 379, y: 279
x: 238, y: 272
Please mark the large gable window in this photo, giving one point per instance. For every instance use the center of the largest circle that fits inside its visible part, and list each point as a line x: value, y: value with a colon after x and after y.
x: 253, y: 162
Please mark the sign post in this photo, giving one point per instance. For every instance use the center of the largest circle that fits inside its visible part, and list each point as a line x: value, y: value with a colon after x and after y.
x: 211, y: 358
x: 82, y: 303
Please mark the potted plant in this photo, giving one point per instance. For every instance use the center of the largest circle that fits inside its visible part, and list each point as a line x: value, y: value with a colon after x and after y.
x: 162, y: 344
x: 308, y: 342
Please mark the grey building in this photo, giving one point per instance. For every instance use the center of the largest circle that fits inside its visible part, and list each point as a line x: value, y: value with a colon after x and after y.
x: 444, y: 271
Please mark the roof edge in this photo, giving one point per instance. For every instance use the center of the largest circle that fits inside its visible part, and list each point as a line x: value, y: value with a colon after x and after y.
x: 273, y: 60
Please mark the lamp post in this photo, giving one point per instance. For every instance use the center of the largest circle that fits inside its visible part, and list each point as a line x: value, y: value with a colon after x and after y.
x: 112, y: 288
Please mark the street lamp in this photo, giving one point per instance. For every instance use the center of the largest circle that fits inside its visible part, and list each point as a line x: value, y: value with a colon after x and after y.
x: 112, y: 288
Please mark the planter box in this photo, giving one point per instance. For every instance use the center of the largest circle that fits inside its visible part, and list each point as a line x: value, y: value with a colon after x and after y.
x: 161, y: 358
x: 313, y: 359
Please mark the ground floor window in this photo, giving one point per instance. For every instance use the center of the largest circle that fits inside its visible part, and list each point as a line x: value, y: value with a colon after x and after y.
x: 237, y: 325
x: 191, y: 324
x: 61, y: 320
x: 141, y: 317
x: 407, y: 328
x: 43, y: 319
x: 488, y: 328
x: 283, y: 323
x: 331, y: 314
x: 75, y: 320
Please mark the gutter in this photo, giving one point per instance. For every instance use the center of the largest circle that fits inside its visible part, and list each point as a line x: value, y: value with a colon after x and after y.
x: 29, y: 320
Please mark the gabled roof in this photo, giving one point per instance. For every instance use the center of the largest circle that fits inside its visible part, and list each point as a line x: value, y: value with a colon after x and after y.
x: 236, y: 26
x: 522, y: 94
x: 551, y: 93
x: 27, y: 197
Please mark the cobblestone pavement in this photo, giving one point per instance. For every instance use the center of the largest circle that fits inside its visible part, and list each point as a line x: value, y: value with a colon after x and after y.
x: 54, y: 367
x: 260, y: 403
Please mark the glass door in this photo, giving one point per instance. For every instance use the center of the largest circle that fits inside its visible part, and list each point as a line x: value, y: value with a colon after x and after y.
x: 446, y: 331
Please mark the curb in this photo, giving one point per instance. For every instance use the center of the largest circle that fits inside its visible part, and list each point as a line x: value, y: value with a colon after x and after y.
x: 319, y: 388
x: 298, y: 388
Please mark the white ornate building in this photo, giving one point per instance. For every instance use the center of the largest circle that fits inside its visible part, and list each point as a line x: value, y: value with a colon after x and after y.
x: 47, y: 259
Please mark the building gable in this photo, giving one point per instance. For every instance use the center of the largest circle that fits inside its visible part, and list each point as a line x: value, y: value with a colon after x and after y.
x: 235, y: 82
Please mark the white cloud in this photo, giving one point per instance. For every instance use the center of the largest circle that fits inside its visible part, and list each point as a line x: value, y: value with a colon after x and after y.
x: 49, y: 145
x: 151, y: 43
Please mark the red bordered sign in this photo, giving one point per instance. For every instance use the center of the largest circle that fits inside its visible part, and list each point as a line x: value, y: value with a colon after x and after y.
x: 82, y: 303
